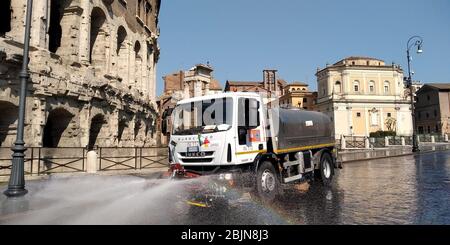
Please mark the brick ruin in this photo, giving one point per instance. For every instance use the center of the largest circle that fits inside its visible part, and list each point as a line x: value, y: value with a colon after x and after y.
x: 93, y: 72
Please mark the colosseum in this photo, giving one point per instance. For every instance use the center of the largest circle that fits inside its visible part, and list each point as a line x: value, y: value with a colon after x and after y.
x: 93, y: 72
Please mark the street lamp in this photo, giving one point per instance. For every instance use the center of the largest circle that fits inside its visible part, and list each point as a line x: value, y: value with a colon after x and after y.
x: 16, y: 186
x: 415, y: 41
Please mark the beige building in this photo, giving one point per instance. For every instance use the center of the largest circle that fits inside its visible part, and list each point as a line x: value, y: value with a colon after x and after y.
x: 198, y: 81
x: 298, y: 95
x: 93, y: 70
x: 433, y: 109
x: 364, y: 95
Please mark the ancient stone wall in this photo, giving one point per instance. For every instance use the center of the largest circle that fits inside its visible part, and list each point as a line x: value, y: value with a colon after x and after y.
x: 93, y: 72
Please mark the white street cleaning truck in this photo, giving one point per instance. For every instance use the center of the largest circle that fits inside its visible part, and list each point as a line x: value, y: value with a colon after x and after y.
x: 237, y: 139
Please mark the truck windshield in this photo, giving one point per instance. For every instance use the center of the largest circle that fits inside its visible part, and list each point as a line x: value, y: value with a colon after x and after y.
x: 207, y: 116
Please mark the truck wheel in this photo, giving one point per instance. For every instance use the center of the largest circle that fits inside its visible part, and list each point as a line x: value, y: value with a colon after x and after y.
x: 267, y: 183
x: 326, y: 171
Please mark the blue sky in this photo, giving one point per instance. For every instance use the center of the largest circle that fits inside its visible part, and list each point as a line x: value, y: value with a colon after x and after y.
x: 240, y: 38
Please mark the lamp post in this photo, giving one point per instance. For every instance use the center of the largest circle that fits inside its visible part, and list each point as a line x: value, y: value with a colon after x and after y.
x: 415, y: 41
x: 16, y: 186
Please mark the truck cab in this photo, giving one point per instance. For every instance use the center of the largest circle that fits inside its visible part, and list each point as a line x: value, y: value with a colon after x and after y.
x: 219, y: 130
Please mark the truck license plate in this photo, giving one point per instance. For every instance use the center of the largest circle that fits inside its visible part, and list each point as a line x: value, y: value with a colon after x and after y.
x: 193, y: 149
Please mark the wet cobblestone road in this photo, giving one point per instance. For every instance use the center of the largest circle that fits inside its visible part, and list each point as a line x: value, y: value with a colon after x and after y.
x: 402, y: 190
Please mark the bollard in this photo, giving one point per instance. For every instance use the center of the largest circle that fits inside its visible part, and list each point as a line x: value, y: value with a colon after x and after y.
x: 386, y: 141
x: 433, y: 140
x: 403, y: 141
x: 446, y: 137
x: 343, y: 145
x: 367, y: 143
x: 91, y: 165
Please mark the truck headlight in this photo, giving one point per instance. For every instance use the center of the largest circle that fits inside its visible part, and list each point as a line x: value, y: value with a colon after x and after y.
x: 226, y: 177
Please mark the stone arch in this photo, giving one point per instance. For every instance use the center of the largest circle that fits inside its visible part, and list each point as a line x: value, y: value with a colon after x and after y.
x: 56, y: 129
x: 8, y: 122
x: 5, y: 17
x: 98, y: 42
x: 97, y: 123
x: 122, y: 53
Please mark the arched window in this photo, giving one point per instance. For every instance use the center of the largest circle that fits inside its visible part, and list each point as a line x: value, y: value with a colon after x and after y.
x: 372, y: 86
x: 387, y: 87
x: 337, y: 87
x: 122, y: 54
x: 138, y: 65
x: 97, y: 55
x: 139, y: 9
x: 121, y: 36
x: 55, y: 30
x: 148, y: 13
x: 356, y: 86
x: 5, y: 17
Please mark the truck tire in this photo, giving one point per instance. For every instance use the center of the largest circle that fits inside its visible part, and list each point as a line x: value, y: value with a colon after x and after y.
x: 326, y: 170
x: 267, y: 183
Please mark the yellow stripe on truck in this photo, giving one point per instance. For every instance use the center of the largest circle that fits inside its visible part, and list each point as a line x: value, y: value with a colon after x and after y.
x: 250, y: 152
x: 304, y: 148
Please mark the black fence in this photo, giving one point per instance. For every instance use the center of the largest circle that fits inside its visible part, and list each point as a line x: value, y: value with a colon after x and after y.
x: 41, y: 161
x: 355, y: 141
x: 132, y: 158
x: 377, y: 142
x: 395, y: 140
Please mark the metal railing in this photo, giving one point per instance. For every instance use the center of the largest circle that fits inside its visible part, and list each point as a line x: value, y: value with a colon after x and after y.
x: 39, y: 160
x: 124, y: 158
x: 378, y: 142
x: 395, y: 140
x: 355, y: 141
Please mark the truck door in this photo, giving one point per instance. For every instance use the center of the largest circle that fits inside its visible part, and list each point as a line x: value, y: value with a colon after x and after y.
x: 251, y: 137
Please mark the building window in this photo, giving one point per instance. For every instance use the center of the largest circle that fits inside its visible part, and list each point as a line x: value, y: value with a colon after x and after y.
x: 358, y: 114
x: 148, y: 11
x: 387, y: 88
x: 139, y: 9
x: 337, y: 87
x: 374, y: 118
x: 435, y: 113
x: 389, y: 115
x: 428, y: 115
x: 356, y: 86
x: 5, y: 17
x: 420, y: 115
x: 428, y: 98
x: 372, y: 86
x: 429, y: 129
x: 305, y: 100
